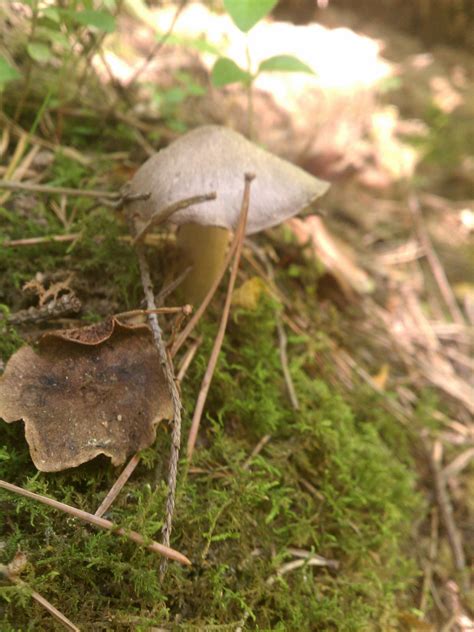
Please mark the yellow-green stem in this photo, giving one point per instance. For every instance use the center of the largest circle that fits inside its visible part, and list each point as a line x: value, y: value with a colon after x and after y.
x: 203, y: 247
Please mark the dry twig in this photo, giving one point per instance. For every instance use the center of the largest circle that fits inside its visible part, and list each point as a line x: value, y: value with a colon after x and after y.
x: 11, y: 185
x: 109, y: 198
x: 445, y: 507
x: 257, y: 449
x: 132, y: 464
x: 117, y: 487
x: 187, y: 359
x: 166, y: 213
x: 36, y: 241
x: 69, y: 152
x: 435, y: 264
x: 306, y: 559
x: 175, y: 397
x: 53, y: 611
x: 99, y: 522
x: 58, y: 308
x: 156, y: 48
x: 206, y: 382
x: 428, y: 570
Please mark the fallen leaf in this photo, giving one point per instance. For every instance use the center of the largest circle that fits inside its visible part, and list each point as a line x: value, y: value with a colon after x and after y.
x: 336, y: 258
x: 380, y: 379
x: 84, y: 392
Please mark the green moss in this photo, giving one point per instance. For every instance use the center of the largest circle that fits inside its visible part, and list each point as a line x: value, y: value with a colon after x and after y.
x: 237, y: 522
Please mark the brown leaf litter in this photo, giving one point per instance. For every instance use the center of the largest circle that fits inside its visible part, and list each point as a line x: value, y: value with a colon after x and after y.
x: 83, y: 392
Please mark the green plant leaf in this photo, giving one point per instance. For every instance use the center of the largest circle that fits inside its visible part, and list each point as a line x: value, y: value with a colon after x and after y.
x: 284, y: 63
x: 246, y: 13
x: 7, y: 72
x: 54, y: 36
x: 39, y: 51
x: 196, y: 43
x: 226, y: 71
x: 98, y: 19
x: 52, y: 14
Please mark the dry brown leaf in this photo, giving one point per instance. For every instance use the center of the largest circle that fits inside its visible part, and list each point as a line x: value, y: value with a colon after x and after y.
x: 84, y: 392
x: 335, y: 257
x: 381, y: 377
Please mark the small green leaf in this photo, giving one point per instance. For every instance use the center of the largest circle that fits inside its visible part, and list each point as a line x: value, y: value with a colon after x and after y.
x: 196, y: 43
x: 55, y: 37
x: 284, y: 63
x: 52, y: 14
x: 39, y: 51
x: 226, y: 71
x: 98, y: 19
x: 7, y: 72
x: 246, y: 13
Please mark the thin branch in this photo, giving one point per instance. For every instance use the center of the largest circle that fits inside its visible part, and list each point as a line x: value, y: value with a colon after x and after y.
x: 283, y: 343
x: 309, y: 559
x: 282, y: 338
x: 187, y: 359
x: 171, y: 287
x: 206, y: 382
x: 160, y: 549
x: 428, y: 570
x: 68, y: 237
x: 458, y: 464
x: 69, y: 152
x: 11, y: 185
x: 53, y: 611
x: 257, y: 449
x: 58, y: 308
x: 117, y: 487
x: 186, y: 310
x: 156, y: 48
x: 36, y: 241
x: 435, y: 264
x: 166, y: 213
x: 175, y: 398
x: 446, y: 508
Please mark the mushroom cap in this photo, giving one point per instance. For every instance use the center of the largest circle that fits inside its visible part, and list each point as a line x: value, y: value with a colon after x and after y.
x: 215, y: 158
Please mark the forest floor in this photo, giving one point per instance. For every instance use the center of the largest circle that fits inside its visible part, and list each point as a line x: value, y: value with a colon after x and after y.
x: 352, y: 510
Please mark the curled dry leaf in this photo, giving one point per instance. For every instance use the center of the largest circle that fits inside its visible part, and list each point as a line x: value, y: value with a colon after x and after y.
x: 84, y: 392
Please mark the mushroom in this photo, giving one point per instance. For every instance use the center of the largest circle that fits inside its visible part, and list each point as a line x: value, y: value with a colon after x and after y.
x: 214, y: 158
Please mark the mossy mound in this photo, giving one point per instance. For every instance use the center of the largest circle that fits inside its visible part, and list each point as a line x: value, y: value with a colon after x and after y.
x: 331, y: 480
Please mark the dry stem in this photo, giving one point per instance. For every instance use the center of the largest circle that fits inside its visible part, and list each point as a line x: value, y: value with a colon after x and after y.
x: 175, y: 398
x: 187, y: 359
x: 446, y: 508
x: 157, y: 46
x: 117, y: 487
x: 166, y: 213
x: 35, y: 241
x: 42, y: 188
x: 435, y: 264
x: 53, y: 611
x: 99, y: 522
x: 206, y: 382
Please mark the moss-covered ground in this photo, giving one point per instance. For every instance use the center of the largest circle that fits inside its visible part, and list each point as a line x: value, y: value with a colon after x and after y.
x: 340, y: 478
x: 335, y: 478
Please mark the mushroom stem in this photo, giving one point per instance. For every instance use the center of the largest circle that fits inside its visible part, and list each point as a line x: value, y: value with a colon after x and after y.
x: 204, y: 247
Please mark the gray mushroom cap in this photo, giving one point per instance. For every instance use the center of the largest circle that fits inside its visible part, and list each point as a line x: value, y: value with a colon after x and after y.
x: 215, y: 158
